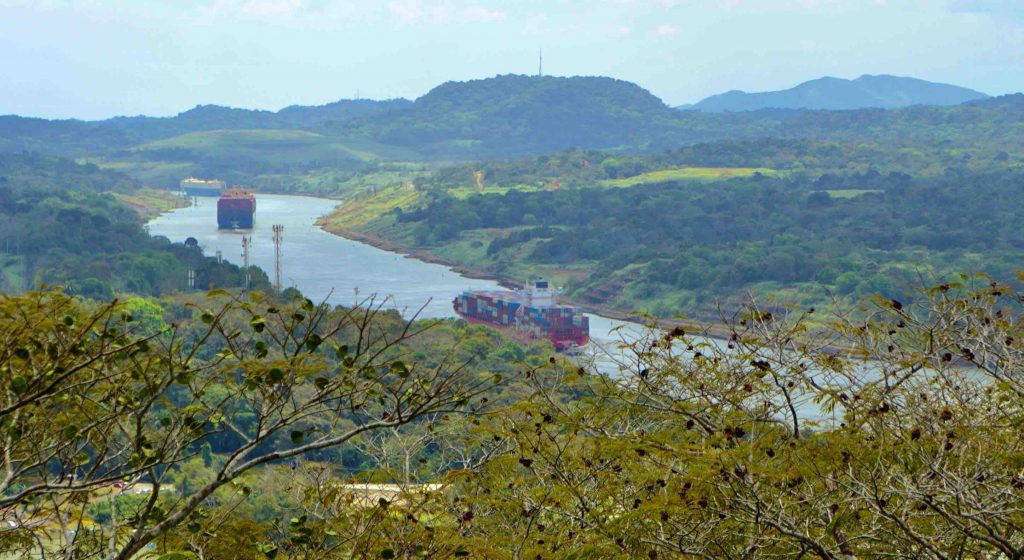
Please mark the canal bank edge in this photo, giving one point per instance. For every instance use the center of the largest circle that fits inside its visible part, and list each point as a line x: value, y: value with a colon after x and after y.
x: 708, y: 329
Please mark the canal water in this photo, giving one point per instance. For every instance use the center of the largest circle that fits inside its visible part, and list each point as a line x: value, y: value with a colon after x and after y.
x: 326, y: 267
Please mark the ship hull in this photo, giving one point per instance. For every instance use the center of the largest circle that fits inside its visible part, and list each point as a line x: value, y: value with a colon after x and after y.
x: 506, y: 311
x: 561, y: 344
x: 235, y: 213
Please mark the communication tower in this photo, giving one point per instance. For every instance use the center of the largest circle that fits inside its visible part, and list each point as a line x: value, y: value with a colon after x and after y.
x: 278, y: 237
x: 246, y: 245
x: 540, y: 64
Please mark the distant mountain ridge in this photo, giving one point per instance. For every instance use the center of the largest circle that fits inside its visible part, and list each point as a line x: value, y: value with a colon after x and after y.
x: 837, y: 94
x: 72, y: 136
x: 499, y: 117
x: 216, y: 117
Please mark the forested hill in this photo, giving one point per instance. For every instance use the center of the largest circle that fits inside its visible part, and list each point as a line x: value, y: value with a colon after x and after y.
x: 71, y: 137
x: 216, y: 117
x: 494, y: 118
x: 527, y: 114
x: 828, y: 93
x: 60, y: 225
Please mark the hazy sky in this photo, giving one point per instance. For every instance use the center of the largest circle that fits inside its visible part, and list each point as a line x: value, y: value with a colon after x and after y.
x: 98, y: 58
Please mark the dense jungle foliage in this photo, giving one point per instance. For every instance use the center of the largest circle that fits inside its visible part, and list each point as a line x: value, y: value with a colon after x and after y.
x: 679, y: 246
x: 60, y: 224
x: 262, y: 428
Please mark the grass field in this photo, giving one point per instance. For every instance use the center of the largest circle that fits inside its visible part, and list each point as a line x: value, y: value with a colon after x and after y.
x: 688, y: 174
x: 360, y: 211
x: 850, y: 193
x: 151, y: 202
x: 280, y: 146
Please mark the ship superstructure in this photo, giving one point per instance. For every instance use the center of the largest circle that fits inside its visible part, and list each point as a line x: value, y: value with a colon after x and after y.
x: 235, y: 209
x: 528, y: 314
x: 202, y: 187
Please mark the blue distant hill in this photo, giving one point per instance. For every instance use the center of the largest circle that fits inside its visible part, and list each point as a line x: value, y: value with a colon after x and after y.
x: 883, y: 92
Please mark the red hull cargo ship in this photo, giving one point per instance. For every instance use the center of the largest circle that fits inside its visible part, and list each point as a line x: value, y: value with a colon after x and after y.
x: 527, y: 315
x: 235, y: 209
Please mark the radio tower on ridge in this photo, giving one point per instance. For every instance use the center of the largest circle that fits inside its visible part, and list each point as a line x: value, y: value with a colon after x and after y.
x: 278, y: 237
x: 540, y: 64
x: 246, y: 245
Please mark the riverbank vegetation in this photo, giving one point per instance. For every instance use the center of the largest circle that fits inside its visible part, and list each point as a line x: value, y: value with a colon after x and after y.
x: 700, y: 249
x: 262, y: 427
x: 67, y: 224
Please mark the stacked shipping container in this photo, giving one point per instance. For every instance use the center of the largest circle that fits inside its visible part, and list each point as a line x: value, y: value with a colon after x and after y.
x: 564, y: 326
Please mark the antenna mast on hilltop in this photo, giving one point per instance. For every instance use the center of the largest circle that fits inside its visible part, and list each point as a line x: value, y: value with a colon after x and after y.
x: 278, y: 231
x: 540, y: 64
x: 246, y: 245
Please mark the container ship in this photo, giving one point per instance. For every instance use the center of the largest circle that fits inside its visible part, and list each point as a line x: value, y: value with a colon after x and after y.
x: 202, y: 187
x: 235, y: 209
x: 527, y: 315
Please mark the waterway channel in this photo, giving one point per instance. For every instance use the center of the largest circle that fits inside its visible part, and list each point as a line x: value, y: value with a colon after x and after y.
x: 325, y: 267
x: 329, y: 268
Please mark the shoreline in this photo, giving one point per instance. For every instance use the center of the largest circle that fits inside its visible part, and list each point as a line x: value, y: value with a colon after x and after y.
x: 712, y: 330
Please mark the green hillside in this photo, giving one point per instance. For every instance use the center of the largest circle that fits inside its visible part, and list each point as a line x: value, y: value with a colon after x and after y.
x: 65, y: 224
x: 523, y: 114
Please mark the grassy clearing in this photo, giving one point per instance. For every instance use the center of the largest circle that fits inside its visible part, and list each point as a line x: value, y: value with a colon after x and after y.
x: 688, y: 174
x: 280, y: 146
x: 337, y: 184
x: 276, y: 146
x: 361, y: 210
x: 466, y: 191
x: 151, y: 202
x: 152, y: 172
x: 850, y: 193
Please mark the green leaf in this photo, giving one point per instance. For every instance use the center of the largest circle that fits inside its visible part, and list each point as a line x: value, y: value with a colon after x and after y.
x: 298, y: 436
x: 341, y: 351
x: 69, y: 431
x: 313, y: 341
x: 400, y: 369
x: 258, y: 324
x: 268, y: 550
x: 275, y: 375
x: 207, y: 317
x: 387, y: 553
x: 178, y: 555
x: 321, y: 383
x: 19, y: 384
x: 21, y: 353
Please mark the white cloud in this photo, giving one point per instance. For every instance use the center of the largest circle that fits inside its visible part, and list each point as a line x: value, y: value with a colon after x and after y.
x: 259, y: 9
x: 479, y: 13
x: 665, y: 30
x: 441, y: 12
x: 406, y: 11
x: 535, y: 24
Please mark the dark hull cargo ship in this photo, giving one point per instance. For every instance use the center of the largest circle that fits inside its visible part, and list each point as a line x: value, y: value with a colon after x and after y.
x: 528, y: 315
x: 235, y: 209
